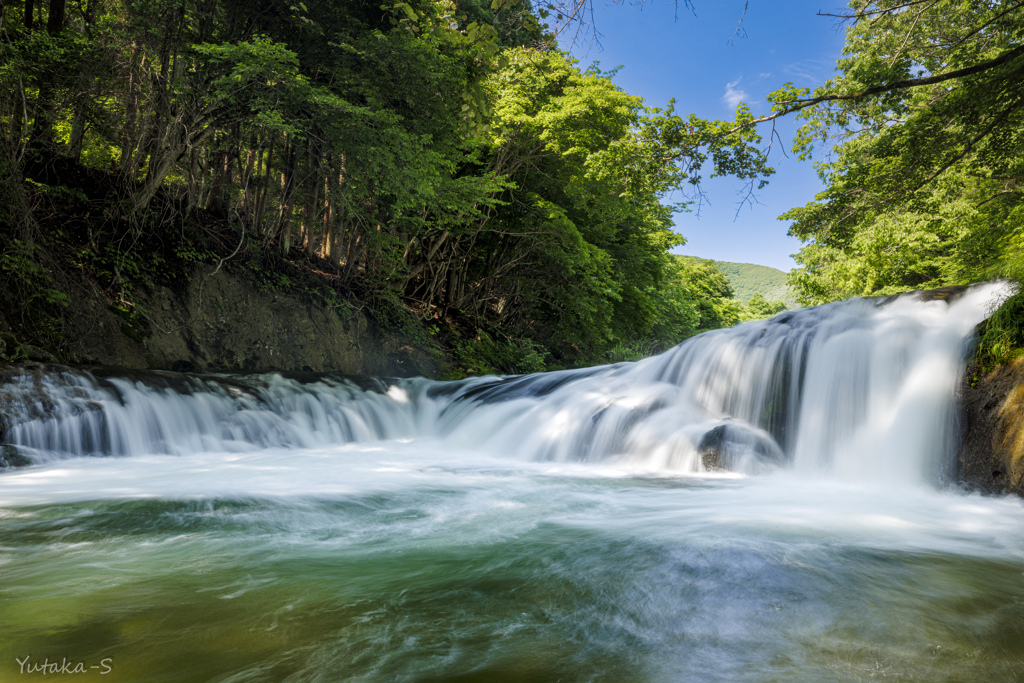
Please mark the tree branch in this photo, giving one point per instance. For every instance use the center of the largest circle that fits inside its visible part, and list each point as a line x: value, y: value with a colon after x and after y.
x: 797, y: 105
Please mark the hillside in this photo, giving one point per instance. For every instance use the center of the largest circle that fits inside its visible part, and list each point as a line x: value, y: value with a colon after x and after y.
x: 748, y: 278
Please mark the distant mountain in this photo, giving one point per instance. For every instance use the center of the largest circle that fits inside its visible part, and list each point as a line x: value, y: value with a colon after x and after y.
x: 747, y: 278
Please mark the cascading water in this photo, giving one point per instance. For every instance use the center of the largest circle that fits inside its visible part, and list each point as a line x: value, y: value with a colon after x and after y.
x: 755, y: 504
x: 858, y: 388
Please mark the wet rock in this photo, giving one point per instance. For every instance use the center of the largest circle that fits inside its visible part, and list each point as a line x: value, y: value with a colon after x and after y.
x: 37, y: 354
x: 991, y: 454
x: 948, y: 294
x: 733, y: 446
x: 10, y: 457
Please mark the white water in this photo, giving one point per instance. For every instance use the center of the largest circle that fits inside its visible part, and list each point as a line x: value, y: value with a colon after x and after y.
x: 855, y: 390
x: 548, y: 527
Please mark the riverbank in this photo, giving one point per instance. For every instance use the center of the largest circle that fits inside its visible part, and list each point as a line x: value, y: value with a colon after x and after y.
x: 991, y: 454
x: 222, y: 321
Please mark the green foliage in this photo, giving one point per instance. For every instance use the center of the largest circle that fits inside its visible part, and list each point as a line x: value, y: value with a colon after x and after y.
x: 631, y: 351
x: 25, y: 275
x: 747, y: 279
x: 33, y: 297
x: 581, y: 234
x: 716, y: 302
x: 189, y: 252
x: 759, y: 308
x: 10, y: 349
x: 1002, y: 335
x: 923, y: 185
x: 423, y: 155
x: 485, y: 354
x: 268, y: 279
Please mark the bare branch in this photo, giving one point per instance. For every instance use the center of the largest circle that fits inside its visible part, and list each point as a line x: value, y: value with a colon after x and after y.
x: 858, y: 16
x: 740, y: 32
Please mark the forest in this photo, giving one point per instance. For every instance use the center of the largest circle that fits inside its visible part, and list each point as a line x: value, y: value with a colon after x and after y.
x: 748, y: 279
x: 919, y: 141
x: 444, y: 162
x: 438, y: 159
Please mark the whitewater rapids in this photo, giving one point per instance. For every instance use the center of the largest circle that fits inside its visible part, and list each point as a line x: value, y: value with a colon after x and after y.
x: 769, y: 502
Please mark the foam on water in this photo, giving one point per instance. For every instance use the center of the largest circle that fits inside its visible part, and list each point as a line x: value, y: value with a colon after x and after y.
x: 858, y: 389
x: 561, y: 526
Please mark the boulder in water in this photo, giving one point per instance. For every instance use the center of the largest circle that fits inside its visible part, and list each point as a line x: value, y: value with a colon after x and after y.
x: 734, y: 446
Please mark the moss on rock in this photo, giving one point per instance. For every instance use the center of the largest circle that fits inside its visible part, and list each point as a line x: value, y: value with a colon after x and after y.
x: 991, y: 456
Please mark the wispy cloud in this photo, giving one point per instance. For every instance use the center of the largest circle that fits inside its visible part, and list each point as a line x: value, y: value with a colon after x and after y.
x: 734, y: 94
x: 810, y: 72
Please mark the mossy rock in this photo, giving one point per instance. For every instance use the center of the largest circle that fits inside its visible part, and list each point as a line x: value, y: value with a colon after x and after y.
x: 37, y: 354
x: 10, y: 348
x: 1001, y: 337
x: 10, y: 457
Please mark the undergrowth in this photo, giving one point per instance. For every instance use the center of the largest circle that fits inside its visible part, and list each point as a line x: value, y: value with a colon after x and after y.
x: 1001, y: 337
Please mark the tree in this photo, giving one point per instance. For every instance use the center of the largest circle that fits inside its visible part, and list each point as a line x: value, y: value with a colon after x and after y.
x: 433, y: 154
x: 575, y: 253
x: 925, y: 178
x: 759, y: 308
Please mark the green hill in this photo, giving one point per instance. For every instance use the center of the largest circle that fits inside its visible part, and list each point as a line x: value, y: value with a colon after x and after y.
x: 747, y: 278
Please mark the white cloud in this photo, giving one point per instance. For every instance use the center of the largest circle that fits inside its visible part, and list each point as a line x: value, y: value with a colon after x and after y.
x: 733, y: 94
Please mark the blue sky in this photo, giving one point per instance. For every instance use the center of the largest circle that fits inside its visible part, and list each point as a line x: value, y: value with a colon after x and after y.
x: 667, y: 51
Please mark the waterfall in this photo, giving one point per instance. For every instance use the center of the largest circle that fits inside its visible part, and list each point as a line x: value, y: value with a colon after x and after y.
x: 858, y: 389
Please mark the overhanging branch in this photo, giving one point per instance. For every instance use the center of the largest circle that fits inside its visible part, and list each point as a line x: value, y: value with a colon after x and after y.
x: 797, y: 105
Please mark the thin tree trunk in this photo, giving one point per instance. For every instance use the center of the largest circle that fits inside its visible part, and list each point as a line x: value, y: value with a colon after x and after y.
x: 263, y: 191
x: 287, y: 199
x: 218, y: 203
x: 77, y: 133
x: 130, y: 143
x: 163, y: 166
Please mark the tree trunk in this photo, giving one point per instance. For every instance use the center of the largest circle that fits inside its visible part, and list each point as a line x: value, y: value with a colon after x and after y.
x: 163, y: 166
x: 309, y: 212
x: 218, y: 204
x: 287, y: 198
x: 55, y: 21
x: 263, y: 190
x: 77, y: 134
x: 130, y: 142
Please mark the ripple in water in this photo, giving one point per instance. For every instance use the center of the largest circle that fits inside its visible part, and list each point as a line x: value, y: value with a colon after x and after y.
x: 551, y: 527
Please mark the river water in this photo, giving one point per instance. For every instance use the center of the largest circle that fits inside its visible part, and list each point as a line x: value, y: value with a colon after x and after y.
x: 767, y: 503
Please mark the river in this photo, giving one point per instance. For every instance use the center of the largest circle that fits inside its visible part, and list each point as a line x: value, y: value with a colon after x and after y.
x: 767, y: 503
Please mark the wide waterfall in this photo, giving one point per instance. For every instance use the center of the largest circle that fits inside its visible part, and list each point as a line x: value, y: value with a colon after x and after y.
x: 859, y: 388
x: 768, y: 502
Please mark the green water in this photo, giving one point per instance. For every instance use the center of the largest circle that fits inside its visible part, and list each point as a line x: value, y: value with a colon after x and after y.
x: 470, y: 571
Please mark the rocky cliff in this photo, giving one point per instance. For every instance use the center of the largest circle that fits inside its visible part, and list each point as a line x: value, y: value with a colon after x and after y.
x: 991, y: 456
x: 221, y: 322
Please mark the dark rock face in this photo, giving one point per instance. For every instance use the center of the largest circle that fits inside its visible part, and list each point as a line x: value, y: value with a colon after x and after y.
x: 991, y: 455
x: 222, y: 323
x: 10, y: 457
